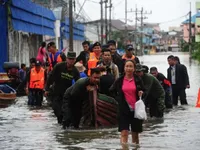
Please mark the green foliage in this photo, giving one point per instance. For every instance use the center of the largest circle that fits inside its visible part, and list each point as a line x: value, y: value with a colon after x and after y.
x: 196, y: 53
x: 119, y: 37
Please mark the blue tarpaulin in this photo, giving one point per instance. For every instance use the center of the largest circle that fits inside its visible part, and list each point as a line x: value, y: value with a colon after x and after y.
x: 78, y: 30
x: 3, y: 36
x: 30, y: 17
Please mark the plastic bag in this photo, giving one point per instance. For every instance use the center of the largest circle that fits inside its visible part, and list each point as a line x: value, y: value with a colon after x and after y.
x: 140, y: 112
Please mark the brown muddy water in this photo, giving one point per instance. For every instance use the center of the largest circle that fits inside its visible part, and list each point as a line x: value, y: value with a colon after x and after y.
x: 24, y: 128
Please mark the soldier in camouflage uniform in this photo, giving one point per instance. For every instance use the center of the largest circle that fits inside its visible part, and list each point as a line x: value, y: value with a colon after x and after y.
x: 155, y: 94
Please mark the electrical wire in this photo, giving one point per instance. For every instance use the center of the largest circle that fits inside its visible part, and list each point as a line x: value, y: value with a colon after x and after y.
x: 115, y: 5
x: 93, y: 1
x: 80, y: 9
x: 173, y: 19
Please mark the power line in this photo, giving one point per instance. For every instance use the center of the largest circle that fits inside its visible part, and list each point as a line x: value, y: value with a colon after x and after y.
x: 93, y: 1
x: 115, y: 5
x: 81, y: 8
x: 173, y: 19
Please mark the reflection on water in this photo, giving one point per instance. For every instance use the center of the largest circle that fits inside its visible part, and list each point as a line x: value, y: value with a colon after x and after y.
x: 27, y: 128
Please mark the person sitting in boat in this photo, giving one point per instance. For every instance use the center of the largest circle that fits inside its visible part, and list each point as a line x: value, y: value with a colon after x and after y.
x: 126, y: 90
x: 36, y: 80
x: 165, y: 84
x: 110, y: 74
x: 75, y: 97
x: 155, y: 94
x: 94, y: 57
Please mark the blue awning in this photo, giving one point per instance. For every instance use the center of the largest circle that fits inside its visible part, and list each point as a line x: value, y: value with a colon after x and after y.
x: 78, y: 30
x: 30, y: 17
x: 193, y: 19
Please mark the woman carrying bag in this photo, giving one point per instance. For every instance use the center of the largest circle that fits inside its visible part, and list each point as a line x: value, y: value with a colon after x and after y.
x: 126, y: 90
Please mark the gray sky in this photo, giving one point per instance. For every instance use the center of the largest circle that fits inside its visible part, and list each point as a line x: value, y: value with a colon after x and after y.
x: 162, y: 10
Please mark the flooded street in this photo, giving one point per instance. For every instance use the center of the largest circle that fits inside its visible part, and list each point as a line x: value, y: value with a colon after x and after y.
x: 23, y: 128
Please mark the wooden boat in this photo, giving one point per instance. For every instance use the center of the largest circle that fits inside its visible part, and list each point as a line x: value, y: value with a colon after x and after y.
x: 101, y: 111
x: 4, y: 79
x: 7, y: 95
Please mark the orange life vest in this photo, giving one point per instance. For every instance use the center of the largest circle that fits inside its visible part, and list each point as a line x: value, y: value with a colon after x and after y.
x: 37, y: 79
x: 126, y: 58
x: 92, y: 62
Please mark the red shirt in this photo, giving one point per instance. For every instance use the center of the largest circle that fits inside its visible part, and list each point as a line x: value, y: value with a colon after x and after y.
x: 129, y: 90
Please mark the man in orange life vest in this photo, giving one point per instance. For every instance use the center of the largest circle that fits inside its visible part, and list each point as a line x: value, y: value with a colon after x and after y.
x: 55, y: 56
x: 129, y: 54
x: 36, y: 79
x: 94, y: 57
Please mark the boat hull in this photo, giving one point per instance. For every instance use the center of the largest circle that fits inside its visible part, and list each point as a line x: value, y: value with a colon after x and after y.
x: 7, y: 95
x: 101, y: 112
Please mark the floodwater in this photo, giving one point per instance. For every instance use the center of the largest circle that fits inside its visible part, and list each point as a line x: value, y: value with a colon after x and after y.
x: 24, y: 128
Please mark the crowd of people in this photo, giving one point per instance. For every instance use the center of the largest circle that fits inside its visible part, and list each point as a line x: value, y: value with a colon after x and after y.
x: 67, y: 80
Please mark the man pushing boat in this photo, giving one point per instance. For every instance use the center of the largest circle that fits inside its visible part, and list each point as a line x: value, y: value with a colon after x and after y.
x: 75, y: 97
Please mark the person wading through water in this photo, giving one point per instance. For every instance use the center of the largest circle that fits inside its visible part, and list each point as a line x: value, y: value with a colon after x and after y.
x: 154, y: 95
x: 110, y: 74
x: 116, y: 58
x: 75, y: 97
x: 126, y: 90
x: 94, y: 57
x: 61, y: 78
x: 84, y: 55
x: 55, y: 55
x: 36, y: 80
x: 178, y: 76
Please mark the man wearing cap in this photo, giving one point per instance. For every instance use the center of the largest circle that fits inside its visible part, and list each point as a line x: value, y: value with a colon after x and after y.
x: 84, y: 55
x: 55, y: 56
x: 61, y: 78
x: 116, y: 58
x: 36, y: 79
x: 129, y: 54
x: 155, y: 94
x: 94, y: 57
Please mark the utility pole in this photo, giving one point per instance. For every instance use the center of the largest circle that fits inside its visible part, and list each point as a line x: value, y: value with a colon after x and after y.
x: 52, y: 4
x: 70, y: 25
x: 136, y: 18
x: 110, y: 23
x: 101, y: 3
x: 141, y: 40
x: 106, y: 21
x: 190, y: 32
x: 125, y: 36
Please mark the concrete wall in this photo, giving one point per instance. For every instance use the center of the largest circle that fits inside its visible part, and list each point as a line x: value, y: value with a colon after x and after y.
x: 186, y: 31
x: 77, y: 46
x: 23, y: 46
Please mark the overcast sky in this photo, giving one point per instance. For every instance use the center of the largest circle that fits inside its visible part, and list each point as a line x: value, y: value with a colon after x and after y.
x: 163, y: 11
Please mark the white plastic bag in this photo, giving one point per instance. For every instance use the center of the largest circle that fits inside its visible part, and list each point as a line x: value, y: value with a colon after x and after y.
x: 140, y: 112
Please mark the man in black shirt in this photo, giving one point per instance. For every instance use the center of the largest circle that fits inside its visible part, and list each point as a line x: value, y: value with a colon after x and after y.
x: 61, y: 79
x: 116, y: 58
x: 84, y: 55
